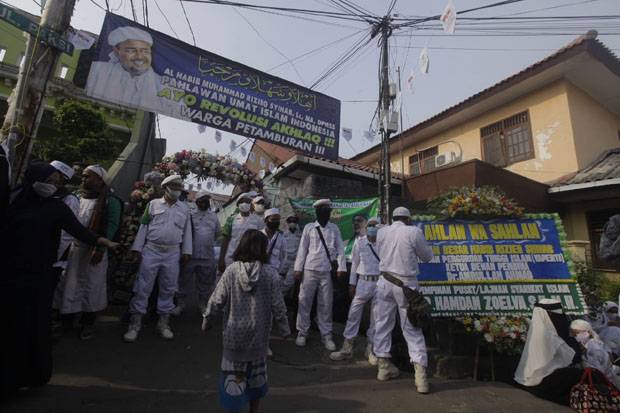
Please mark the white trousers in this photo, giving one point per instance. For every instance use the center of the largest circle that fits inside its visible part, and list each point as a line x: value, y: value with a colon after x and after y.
x: 289, y: 280
x: 389, y: 299
x: 156, y: 262
x: 204, y: 283
x: 364, y: 293
x: 320, y: 283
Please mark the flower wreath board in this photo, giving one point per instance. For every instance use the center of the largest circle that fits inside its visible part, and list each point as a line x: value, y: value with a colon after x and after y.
x: 499, y: 266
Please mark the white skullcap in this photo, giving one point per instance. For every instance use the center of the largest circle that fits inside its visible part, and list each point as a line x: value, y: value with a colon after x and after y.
x: 98, y: 170
x: 257, y: 199
x: 375, y: 220
x: 322, y: 202
x: 172, y: 179
x: 609, y: 305
x: 401, y: 212
x: 549, y: 301
x: 202, y: 193
x: 272, y: 211
x: 63, y: 168
x: 121, y: 34
x: 252, y: 194
x: 244, y: 195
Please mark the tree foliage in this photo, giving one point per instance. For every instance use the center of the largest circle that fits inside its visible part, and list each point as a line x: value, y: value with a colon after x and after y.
x: 81, y: 136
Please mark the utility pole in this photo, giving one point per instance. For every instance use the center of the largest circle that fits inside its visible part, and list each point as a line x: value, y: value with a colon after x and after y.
x: 400, y: 138
x: 386, y: 31
x: 27, y: 100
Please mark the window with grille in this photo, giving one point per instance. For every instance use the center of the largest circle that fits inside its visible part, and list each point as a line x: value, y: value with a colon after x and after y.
x: 508, y: 141
x: 596, y: 223
x: 423, y: 161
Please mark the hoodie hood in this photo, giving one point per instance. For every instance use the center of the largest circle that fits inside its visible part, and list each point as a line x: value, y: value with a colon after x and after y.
x: 248, y: 274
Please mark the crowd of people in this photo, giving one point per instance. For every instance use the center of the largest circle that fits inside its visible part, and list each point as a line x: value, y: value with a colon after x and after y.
x: 55, y: 248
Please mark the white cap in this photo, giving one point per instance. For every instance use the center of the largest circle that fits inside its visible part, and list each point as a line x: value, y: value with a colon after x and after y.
x: 272, y: 211
x: 202, y: 193
x: 322, y: 202
x: 98, y: 170
x: 376, y: 220
x: 244, y: 195
x: 63, y: 168
x: 172, y: 179
x: 257, y: 199
x: 401, y: 212
x: 549, y: 301
x: 120, y: 34
x: 252, y: 194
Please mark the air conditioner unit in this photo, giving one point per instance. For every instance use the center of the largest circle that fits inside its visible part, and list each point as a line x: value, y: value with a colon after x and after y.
x: 445, y: 159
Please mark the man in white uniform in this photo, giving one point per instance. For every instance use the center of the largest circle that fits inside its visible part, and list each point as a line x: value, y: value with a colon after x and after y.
x: 205, y: 230
x: 128, y: 78
x: 363, y: 285
x: 235, y: 227
x: 163, y: 240
x: 399, y: 247
x: 292, y: 235
x: 276, y: 248
x: 315, y: 259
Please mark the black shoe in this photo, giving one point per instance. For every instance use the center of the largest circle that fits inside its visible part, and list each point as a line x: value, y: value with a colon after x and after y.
x: 87, y: 332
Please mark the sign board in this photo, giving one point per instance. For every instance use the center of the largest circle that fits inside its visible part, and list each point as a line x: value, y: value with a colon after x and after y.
x: 498, y: 266
x: 344, y: 210
x: 45, y: 35
x: 158, y: 73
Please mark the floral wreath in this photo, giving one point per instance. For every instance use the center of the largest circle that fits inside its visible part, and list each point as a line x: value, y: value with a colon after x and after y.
x: 472, y: 202
x: 205, y: 165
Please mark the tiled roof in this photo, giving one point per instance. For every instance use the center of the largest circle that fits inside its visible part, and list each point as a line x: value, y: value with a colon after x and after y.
x: 586, y: 42
x: 606, y: 166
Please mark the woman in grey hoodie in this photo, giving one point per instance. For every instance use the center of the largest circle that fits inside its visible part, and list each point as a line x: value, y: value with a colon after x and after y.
x: 249, y: 296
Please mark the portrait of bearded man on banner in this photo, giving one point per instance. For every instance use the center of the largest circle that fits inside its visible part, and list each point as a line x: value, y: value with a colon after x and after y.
x: 128, y: 77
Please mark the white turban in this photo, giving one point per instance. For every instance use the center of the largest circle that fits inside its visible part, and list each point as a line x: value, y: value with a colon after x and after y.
x: 98, y: 170
x: 120, y: 34
x: 322, y: 202
x: 272, y: 211
x: 172, y: 179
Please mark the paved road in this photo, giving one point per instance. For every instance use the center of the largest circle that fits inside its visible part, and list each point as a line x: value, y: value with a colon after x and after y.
x: 151, y: 375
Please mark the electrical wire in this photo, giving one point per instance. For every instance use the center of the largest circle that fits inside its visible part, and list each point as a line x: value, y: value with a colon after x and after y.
x: 191, y: 30
x: 166, y: 19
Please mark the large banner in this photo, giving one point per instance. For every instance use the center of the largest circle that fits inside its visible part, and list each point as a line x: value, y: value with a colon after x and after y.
x: 142, y: 68
x: 498, y: 266
x: 344, y: 210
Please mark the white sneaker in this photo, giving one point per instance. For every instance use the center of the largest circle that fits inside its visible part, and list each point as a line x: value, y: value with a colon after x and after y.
x: 329, y: 343
x: 135, y: 323
x: 370, y: 355
x: 164, y: 328
x: 386, y: 370
x: 345, y: 353
x: 421, y: 383
x: 300, y: 341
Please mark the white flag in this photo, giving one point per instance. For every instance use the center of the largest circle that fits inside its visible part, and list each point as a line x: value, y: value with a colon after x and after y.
x: 398, y: 101
x: 448, y: 18
x: 423, y: 61
x: 252, y: 157
x: 243, y: 151
x: 262, y: 162
x: 410, y: 80
x: 347, y: 133
x: 209, y: 185
x: 218, y: 135
x: 80, y: 39
x: 369, y: 135
x: 261, y: 173
x: 202, y: 128
x: 272, y: 167
x: 233, y: 145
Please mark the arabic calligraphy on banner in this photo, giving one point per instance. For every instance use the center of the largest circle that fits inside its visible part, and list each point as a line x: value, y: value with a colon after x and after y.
x: 164, y: 75
x: 497, y: 266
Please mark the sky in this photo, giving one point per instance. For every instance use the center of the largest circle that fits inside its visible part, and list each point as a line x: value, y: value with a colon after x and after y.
x: 461, y: 64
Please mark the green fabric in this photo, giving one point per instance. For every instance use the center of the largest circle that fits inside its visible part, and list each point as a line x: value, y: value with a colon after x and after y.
x: 227, y: 228
x: 114, y: 209
x: 146, y: 216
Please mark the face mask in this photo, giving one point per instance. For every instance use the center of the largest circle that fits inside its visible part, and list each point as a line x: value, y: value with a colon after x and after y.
x: 203, y: 205
x: 583, y: 337
x: 174, y: 195
x: 612, y: 316
x: 273, y: 225
x: 244, y: 207
x: 44, y: 190
x: 372, y: 231
x: 292, y: 226
x: 259, y: 209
